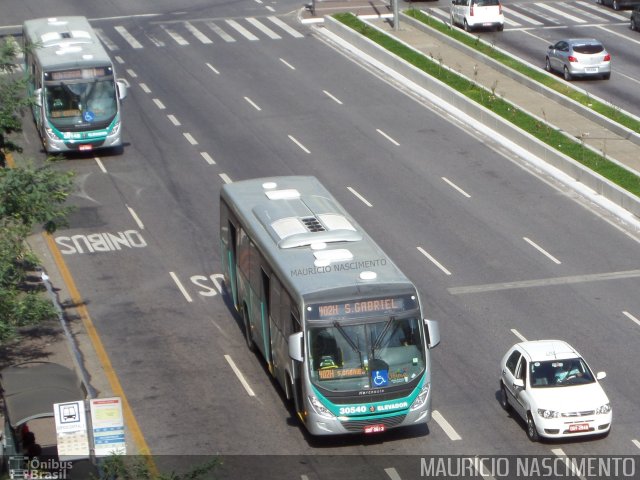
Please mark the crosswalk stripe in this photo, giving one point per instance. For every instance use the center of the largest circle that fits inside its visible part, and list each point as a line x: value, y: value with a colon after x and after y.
x: 520, y: 16
x: 532, y: 11
x: 179, y: 39
x: 602, y: 11
x: 294, y: 33
x: 127, y: 36
x: 220, y: 32
x: 241, y: 30
x: 263, y: 28
x: 511, y: 23
x: 560, y: 13
x: 197, y: 33
x: 106, y: 40
x: 156, y: 41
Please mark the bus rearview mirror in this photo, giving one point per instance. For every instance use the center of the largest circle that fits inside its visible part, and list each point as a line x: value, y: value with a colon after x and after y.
x: 433, y: 332
x: 122, y: 89
x: 295, y: 346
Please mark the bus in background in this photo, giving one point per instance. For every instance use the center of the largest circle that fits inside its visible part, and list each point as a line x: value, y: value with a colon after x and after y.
x: 340, y: 326
x: 73, y: 83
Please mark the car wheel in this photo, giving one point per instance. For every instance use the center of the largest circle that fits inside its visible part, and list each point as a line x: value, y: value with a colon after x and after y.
x: 532, y: 432
x: 547, y: 64
x: 467, y: 28
x: 567, y: 74
x: 504, y: 400
x: 606, y: 76
x: 633, y: 25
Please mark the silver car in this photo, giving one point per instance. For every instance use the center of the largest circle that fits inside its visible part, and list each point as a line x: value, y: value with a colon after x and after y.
x: 579, y: 57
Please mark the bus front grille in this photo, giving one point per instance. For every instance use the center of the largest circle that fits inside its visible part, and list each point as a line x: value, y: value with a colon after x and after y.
x: 358, y: 425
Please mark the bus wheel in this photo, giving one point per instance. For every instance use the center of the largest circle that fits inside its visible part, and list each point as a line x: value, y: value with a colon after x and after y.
x: 247, y: 331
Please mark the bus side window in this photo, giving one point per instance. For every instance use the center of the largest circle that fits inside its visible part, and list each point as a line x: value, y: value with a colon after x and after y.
x: 274, y: 301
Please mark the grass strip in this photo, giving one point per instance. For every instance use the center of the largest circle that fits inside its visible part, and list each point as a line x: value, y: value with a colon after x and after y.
x: 549, y: 135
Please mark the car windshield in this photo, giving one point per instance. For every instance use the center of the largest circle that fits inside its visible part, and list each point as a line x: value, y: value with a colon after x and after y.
x: 70, y: 104
x: 487, y: 3
x: 363, y: 356
x: 560, y: 373
x: 588, y: 49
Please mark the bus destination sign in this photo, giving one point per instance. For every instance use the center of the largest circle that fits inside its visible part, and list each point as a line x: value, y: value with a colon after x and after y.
x: 78, y: 74
x: 361, y: 308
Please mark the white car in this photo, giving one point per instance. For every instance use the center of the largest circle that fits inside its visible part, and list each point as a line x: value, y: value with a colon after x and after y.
x: 475, y: 14
x: 553, y: 389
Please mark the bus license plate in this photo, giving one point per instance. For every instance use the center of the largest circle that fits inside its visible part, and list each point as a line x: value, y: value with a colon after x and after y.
x: 579, y: 427
x: 85, y: 147
x: 374, y: 428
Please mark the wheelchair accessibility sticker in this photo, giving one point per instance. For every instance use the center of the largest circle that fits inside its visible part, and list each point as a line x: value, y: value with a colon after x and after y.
x: 380, y: 378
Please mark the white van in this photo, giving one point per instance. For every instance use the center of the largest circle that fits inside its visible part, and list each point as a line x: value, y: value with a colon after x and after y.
x: 473, y: 14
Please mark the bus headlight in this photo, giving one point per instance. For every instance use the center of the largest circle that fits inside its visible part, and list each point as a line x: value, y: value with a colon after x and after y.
x: 115, y: 130
x: 422, y: 396
x: 319, y: 408
x: 51, y: 134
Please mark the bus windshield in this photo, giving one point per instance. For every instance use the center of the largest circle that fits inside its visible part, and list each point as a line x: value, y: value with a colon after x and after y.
x: 367, y: 355
x: 81, y: 103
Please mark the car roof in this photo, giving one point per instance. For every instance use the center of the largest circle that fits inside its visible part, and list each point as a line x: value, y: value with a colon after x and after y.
x: 541, y: 350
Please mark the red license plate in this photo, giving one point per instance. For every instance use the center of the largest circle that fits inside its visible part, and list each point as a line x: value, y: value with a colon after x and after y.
x: 579, y: 427
x: 85, y: 147
x: 374, y: 428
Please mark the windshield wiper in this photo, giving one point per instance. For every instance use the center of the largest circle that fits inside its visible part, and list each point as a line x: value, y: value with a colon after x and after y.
x: 380, y: 336
x: 348, y: 339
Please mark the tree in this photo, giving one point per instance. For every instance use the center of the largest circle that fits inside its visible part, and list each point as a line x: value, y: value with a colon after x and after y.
x: 13, y: 100
x: 29, y: 196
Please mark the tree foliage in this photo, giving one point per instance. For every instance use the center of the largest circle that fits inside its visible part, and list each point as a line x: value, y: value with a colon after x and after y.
x: 29, y: 196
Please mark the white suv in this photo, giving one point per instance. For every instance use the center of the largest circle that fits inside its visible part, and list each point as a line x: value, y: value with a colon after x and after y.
x: 472, y: 14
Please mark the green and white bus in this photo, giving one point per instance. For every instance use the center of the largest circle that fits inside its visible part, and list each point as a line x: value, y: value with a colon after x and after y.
x: 340, y: 326
x: 73, y: 83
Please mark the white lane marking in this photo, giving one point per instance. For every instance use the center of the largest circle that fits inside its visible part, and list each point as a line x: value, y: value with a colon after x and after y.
x: 252, y: 103
x: 533, y: 12
x: 132, y: 73
x: 179, y: 39
x: 511, y: 23
x: 190, y: 138
x: 135, y: 217
x: 362, y: 199
x: 392, y: 473
x: 560, y: 13
x: 258, y: 1
x: 631, y: 317
x: 225, y: 178
x: 387, y: 137
x: 636, y: 442
x: 518, y: 334
x: 270, y: 8
x: 213, y: 69
x: 603, y: 11
x: 238, y: 373
x: 572, y: 466
x: 241, y: 30
x: 293, y: 139
x: 99, y: 162
x: 144, y: 88
x: 446, y: 426
x: 304, y: 477
x: 626, y: 37
x: 285, y: 27
x: 174, y: 120
x: 180, y: 287
x: 128, y: 37
x: 220, y: 32
x: 332, y: 97
x: 119, y: 59
x: 544, y: 282
x: 519, y: 15
x: 197, y: 33
x: 480, y: 468
x: 208, y: 158
x: 263, y: 28
x: 106, y: 40
x: 155, y: 40
x: 159, y: 104
x: 456, y: 187
x: 542, y: 250
x: 433, y: 260
x: 287, y: 64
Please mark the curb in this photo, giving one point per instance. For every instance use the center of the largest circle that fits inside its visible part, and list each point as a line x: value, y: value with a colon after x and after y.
x: 565, y: 164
